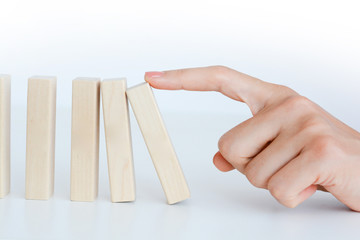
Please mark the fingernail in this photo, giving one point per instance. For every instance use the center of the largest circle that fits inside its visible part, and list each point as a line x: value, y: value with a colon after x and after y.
x: 153, y: 75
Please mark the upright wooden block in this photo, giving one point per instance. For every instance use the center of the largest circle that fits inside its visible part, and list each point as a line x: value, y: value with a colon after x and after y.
x: 158, y: 143
x: 5, y: 93
x: 118, y: 140
x: 40, y: 137
x: 85, y: 139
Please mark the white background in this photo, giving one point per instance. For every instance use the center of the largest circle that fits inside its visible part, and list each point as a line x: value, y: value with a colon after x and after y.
x: 312, y: 46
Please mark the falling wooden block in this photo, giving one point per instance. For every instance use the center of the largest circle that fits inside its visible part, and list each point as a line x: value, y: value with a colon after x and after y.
x: 85, y: 139
x: 5, y: 93
x: 158, y: 143
x: 40, y: 137
x: 118, y: 140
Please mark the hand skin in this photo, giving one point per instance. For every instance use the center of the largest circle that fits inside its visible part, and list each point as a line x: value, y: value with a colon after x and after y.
x: 290, y: 146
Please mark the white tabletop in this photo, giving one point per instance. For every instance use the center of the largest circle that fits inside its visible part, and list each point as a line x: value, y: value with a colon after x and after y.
x: 222, y: 206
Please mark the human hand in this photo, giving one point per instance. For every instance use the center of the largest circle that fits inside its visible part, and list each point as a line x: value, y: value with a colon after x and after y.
x: 290, y: 146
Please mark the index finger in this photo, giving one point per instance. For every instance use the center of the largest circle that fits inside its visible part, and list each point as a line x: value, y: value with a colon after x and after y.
x: 238, y: 86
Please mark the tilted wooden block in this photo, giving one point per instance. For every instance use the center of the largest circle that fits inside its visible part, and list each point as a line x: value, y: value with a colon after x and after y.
x: 40, y: 137
x: 158, y: 143
x: 118, y: 140
x: 85, y: 139
x: 5, y: 92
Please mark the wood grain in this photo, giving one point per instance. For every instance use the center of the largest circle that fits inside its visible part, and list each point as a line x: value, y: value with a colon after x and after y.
x: 158, y: 143
x: 85, y: 139
x: 40, y: 137
x: 118, y: 140
x: 5, y: 106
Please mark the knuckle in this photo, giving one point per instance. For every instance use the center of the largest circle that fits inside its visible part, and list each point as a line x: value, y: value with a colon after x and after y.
x: 299, y: 104
x: 224, y: 144
x: 315, y: 125
x: 219, y: 69
x: 220, y: 72
x: 285, y: 90
x: 275, y: 190
x: 315, y: 122
x: 282, y: 196
x: 324, y: 146
x: 254, y: 178
x: 282, y: 96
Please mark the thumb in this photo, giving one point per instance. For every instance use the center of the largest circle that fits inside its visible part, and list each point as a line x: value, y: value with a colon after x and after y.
x: 241, y: 87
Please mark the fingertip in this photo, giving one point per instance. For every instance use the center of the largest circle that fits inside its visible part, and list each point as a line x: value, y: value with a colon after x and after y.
x: 221, y: 163
x: 157, y: 80
x: 146, y: 78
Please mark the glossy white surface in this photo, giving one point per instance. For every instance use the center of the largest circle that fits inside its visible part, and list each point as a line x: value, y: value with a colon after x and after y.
x: 222, y: 206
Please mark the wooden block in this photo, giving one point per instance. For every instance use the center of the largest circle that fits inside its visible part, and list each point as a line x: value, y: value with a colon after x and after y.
x: 5, y: 99
x: 85, y: 139
x: 158, y: 143
x: 118, y: 140
x: 40, y: 137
